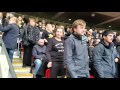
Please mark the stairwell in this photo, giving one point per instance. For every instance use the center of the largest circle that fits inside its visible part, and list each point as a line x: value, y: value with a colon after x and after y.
x: 19, y: 70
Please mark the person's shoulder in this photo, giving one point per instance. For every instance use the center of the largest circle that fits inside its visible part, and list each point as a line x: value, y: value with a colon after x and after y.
x: 35, y: 46
x: 71, y: 37
x: 99, y: 47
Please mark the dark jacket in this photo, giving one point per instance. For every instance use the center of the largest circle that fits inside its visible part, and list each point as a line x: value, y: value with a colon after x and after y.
x: 55, y: 50
x: 76, y: 57
x: 39, y: 52
x: 30, y: 32
x: 103, y: 60
x: 11, y: 33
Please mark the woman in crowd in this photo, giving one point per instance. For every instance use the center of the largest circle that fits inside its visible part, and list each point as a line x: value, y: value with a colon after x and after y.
x: 55, y: 52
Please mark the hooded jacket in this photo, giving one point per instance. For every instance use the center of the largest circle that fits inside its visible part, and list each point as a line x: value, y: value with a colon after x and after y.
x: 76, y: 57
x: 104, y: 60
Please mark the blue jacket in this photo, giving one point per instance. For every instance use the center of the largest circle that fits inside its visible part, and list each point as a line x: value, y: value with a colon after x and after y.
x: 76, y: 57
x: 11, y: 33
x: 103, y: 60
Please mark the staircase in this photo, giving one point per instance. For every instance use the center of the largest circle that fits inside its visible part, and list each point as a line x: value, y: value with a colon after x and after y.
x: 19, y: 70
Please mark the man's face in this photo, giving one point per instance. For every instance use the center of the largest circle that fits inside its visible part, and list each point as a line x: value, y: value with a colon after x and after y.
x: 80, y: 30
x: 32, y: 23
x: 108, y: 38
x: 41, y: 42
x: 49, y: 27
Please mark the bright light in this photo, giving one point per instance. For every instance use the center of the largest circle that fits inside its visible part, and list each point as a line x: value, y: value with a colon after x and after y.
x: 92, y: 14
x: 69, y: 19
x: 109, y: 26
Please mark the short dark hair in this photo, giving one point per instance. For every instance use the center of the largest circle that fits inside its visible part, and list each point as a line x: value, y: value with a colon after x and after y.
x: 106, y: 32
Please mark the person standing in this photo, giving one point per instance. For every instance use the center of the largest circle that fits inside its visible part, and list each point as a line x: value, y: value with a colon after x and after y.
x: 55, y: 52
x: 11, y: 33
x: 104, y: 55
x: 76, y: 52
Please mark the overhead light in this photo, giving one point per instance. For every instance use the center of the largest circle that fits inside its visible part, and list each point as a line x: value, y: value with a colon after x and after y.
x: 93, y: 15
x: 69, y: 19
x: 109, y: 26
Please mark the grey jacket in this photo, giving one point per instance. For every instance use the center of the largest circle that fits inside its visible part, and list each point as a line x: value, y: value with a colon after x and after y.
x: 103, y: 60
x: 76, y: 57
x: 39, y: 52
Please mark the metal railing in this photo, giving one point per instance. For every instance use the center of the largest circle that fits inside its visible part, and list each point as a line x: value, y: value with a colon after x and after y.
x: 6, y: 70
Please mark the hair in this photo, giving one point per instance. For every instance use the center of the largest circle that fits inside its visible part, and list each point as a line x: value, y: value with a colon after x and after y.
x: 33, y: 19
x: 1, y: 15
x: 54, y: 32
x: 106, y: 32
x: 78, y: 22
x: 15, y: 19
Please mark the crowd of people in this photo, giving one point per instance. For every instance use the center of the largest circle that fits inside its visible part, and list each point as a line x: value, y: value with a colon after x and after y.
x: 72, y: 51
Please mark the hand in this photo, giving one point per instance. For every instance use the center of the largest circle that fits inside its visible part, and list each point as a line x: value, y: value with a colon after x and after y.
x: 64, y: 67
x: 116, y: 59
x: 49, y: 64
x: 45, y: 40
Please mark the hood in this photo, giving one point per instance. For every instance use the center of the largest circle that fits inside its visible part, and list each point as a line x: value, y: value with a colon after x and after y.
x: 107, y: 46
x: 82, y: 38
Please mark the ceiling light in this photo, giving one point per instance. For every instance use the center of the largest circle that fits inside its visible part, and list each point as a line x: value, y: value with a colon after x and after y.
x: 109, y: 26
x: 92, y: 14
x: 69, y: 19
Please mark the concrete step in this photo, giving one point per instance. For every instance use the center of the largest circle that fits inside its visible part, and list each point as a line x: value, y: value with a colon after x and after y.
x: 25, y: 70
x: 17, y: 58
x: 19, y: 70
x: 23, y: 75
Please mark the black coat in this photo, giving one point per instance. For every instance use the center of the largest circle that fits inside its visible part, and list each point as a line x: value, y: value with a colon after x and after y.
x: 11, y: 33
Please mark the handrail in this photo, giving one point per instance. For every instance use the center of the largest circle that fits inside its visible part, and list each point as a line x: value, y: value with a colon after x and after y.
x: 11, y: 69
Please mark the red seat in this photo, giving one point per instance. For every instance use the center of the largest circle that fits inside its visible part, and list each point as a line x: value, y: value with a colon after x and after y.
x: 47, y: 74
x: 91, y: 76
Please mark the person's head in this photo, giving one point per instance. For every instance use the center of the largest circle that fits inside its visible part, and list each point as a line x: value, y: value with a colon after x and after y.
x: 32, y: 21
x: 11, y: 15
x: 40, y: 23
x: 78, y: 27
x: 96, y: 41
x: 20, y: 18
x: 43, y: 27
x: 49, y: 27
x: 1, y: 15
x: 59, y: 32
x: 90, y: 30
x: 41, y: 42
x: 115, y: 33
x: 53, y: 27
x: 13, y: 20
x: 108, y: 36
x: 118, y: 39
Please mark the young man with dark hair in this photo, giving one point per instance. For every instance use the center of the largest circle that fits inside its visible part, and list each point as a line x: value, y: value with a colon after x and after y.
x: 104, y: 55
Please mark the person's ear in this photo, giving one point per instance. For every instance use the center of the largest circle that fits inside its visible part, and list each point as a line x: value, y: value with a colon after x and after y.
x: 104, y: 37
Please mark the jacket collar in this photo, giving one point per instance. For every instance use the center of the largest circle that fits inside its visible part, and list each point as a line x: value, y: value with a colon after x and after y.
x: 107, y: 46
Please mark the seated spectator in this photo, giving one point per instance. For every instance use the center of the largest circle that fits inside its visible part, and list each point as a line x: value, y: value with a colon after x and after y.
x: 39, y: 54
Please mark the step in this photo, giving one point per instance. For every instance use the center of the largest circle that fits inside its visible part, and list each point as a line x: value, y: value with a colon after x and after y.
x: 17, y: 58
x: 25, y: 70
x: 23, y: 75
x: 17, y: 64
